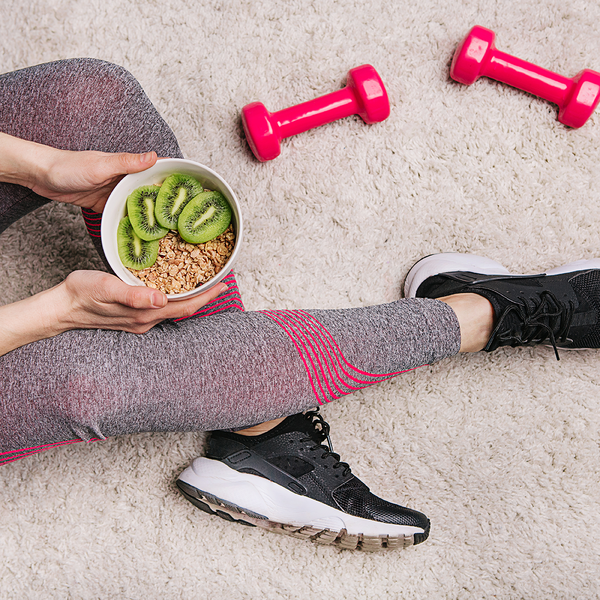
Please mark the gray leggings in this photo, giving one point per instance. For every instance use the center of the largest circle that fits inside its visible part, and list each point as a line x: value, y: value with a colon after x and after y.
x: 222, y: 368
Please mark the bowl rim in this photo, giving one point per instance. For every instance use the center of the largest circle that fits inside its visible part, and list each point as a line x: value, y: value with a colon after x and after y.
x: 114, y: 210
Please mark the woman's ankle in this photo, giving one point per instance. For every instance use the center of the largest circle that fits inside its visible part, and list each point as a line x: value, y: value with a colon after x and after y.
x: 475, y: 316
x: 260, y: 428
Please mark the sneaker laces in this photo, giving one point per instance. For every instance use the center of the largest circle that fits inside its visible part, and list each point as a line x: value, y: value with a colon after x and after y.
x: 534, y: 323
x: 321, y: 429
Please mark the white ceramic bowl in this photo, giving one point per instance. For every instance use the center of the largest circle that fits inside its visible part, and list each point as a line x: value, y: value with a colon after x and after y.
x: 115, y: 210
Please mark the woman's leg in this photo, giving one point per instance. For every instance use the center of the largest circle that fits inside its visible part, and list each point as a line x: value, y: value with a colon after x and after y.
x: 227, y: 370
x: 286, y: 479
x: 85, y: 104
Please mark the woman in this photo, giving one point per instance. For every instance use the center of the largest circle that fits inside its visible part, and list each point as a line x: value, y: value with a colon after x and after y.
x: 93, y: 357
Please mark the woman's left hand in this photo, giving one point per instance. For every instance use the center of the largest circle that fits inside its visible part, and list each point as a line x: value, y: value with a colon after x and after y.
x: 92, y: 300
x: 83, y: 178
x: 96, y: 300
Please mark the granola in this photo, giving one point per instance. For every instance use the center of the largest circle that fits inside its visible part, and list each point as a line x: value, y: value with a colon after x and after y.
x: 181, y: 267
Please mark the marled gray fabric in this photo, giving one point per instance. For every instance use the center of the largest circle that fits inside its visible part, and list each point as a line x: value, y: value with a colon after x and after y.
x: 226, y: 370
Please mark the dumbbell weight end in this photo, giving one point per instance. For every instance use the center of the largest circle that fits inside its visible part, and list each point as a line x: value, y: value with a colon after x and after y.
x: 582, y: 99
x: 477, y: 56
x: 261, y: 131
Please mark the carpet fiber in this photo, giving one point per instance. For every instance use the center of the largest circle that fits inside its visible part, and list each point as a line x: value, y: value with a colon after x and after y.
x: 500, y: 450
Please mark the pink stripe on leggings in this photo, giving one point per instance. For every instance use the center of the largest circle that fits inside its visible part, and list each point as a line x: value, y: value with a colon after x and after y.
x: 92, y: 221
x: 273, y: 317
x: 332, y: 340
x: 13, y: 455
x: 300, y: 327
x: 325, y: 345
x: 317, y: 352
x: 312, y: 339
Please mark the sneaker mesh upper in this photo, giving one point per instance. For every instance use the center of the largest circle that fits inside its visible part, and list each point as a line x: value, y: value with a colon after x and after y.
x: 588, y: 286
x: 355, y: 498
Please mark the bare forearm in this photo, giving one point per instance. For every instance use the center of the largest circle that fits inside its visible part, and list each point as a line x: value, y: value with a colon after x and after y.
x: 28, y: 321
x: 21, y: 160
x: 31, y: 319
x: 92, y: 300
x: 82, y: 178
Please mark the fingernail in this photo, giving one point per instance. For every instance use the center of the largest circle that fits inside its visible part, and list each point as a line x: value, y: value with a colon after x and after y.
x: 147, y: 157
x: 158, y: 301
x: 223, y: 287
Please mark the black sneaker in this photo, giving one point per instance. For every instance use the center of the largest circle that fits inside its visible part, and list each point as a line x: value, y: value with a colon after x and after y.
x: 287, y: 481
x: 560, y: 307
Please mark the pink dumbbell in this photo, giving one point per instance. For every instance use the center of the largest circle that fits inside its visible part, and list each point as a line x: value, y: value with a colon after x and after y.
x: 477, y: 56
x: 364, y: 95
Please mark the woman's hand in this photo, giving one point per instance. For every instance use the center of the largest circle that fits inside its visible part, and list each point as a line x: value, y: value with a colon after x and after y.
x: 84, y: 178
x: 92, y: 300
x: 86, y: 299
x: 87, y: 178
x: 96, y: 300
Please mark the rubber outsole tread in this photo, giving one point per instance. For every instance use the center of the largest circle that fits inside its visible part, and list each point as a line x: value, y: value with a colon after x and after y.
x: 342, y: 539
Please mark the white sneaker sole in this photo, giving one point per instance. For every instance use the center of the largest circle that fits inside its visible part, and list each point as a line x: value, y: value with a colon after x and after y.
x: 260, y: 502
x: 451, y: 261
x: 578, y: 265
x: 445, y: 263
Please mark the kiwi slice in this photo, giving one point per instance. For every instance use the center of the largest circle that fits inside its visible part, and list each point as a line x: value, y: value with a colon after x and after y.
x: 175, y: 192
x: 134, y: 252
x: 204, y: 218
x: 141, y: 211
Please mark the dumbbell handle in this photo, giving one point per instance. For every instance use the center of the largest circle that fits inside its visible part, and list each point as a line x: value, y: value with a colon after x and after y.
x: 307, y: 115
x: 528, y: 77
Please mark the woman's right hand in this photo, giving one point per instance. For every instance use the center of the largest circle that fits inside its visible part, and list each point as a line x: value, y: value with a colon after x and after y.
x: 92, y: 300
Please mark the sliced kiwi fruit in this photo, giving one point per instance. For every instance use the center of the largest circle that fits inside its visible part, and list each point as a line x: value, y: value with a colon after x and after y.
x: 175, y: 192
x: 204, y: 218
x: 141, y: 211
x: 134, y: 252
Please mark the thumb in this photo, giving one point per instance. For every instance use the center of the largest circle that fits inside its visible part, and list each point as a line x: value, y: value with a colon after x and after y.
x: 124, y: 162
x: 134, y: 296
x: 144, y: 298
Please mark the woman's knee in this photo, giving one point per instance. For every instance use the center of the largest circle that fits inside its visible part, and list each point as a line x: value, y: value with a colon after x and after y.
x: 83, y: 104
x: 108, y: 83
x: 118, y: 111
x: 76, y: 84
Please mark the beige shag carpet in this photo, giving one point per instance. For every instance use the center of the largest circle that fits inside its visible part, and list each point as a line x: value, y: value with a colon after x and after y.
x: 500, y: 450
